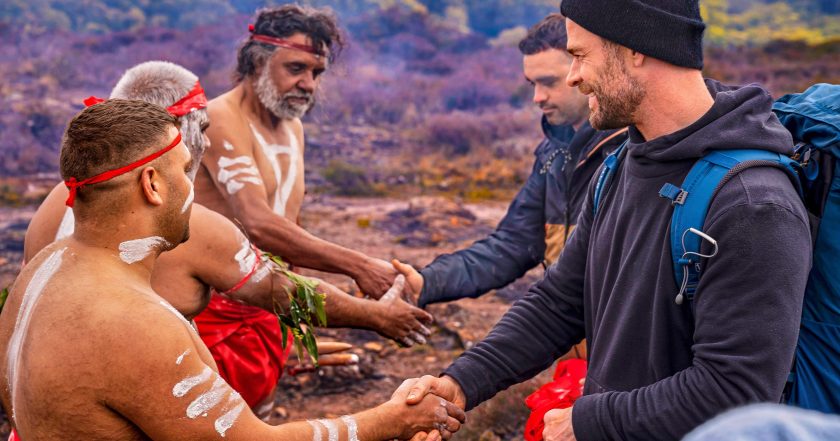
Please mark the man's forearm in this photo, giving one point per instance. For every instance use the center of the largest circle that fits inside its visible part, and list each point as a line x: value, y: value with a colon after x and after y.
x: 488, y: 264
x: 529, y: 337
x: 346, y: 311
x: 283, y: 237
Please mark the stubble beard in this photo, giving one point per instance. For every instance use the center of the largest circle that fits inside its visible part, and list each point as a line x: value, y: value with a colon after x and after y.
x: 616, y: 107
x: 279, y: 105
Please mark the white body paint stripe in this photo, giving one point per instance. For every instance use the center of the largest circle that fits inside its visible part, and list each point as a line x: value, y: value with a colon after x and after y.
x: 284, y: 186
x: 225, y: 162
x: 352, y: 428
x: 184, y: 386
x: 234, y: 173
x: 68, y: 225
x: 332, y: 429
x: 190, y: 198
x: 31, y: 296
x: 226, y: 421
x: 133, y: 251
x: 180, y: 358
x: 317, y: 435
x: 209, y: 399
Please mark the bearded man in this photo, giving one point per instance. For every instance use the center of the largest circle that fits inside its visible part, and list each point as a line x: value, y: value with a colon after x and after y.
x: 658, y: 366
x: 254, y: 170
x: 88, y: 349
x: 219, y: 259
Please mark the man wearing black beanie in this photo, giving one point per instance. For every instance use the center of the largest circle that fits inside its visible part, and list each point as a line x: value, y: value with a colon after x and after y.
x: 658, y: 366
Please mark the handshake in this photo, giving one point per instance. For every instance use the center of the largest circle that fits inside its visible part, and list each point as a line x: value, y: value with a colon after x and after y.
x: 425, y: 409
x: 432, y: 409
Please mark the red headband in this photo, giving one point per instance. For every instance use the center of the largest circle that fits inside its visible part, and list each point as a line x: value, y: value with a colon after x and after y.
x: 194, y: 100
x: 75, y: 185
x: 280, y: 42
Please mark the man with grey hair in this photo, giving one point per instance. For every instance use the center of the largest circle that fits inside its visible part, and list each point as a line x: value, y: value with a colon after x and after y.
x: 218, y: 257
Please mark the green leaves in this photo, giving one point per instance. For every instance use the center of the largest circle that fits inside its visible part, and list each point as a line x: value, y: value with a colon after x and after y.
x: 305, y: 305
x: 3, y: 296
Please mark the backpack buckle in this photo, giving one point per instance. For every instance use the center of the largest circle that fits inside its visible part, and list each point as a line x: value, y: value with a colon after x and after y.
x: 675, y: 194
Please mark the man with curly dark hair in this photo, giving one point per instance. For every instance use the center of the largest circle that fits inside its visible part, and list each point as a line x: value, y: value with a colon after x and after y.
x: 253, y: 174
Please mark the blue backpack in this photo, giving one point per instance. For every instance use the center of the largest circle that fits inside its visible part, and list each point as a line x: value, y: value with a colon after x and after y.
x: 813, y: 118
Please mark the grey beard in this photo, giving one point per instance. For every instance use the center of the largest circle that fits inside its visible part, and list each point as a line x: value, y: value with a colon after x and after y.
x: 279, y: 105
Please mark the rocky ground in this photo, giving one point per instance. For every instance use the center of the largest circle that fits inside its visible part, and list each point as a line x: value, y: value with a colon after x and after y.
x: 414, y: 231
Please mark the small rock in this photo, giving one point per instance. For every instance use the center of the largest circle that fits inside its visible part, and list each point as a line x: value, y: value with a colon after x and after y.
x: 373, y: 346
x: 281, y: 412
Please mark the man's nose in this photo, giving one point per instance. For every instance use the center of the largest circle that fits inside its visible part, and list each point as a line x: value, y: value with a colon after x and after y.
x: 539, y: 95
x: 573, y: 78
x: 307, y: 83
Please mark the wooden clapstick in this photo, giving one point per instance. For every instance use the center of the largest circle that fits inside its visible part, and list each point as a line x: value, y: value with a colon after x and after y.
x: 330, y: 347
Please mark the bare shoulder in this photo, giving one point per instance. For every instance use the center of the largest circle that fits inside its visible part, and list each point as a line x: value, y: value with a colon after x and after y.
x: 229, y: 130
x: 209, y: 231
x: 45, y: 225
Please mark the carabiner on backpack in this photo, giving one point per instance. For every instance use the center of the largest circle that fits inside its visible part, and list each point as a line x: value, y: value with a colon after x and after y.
x: 688, y: 259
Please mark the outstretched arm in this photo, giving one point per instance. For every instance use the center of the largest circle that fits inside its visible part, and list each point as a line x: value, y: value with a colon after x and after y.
x: 221, y: 256
x: 517, y: 245
x: 535, y: 331
x: 231, y: 166
x: 168, y: 387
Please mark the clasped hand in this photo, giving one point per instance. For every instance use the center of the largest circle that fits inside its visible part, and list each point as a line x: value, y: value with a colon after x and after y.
x: 432, y: 408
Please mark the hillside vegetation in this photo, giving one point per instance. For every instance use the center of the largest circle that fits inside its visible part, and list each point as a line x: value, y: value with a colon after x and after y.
x: 428, y: 97
x: 730, y: 21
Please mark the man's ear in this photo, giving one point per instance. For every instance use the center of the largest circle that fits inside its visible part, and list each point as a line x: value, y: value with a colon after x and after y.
x: 152, y: 183
x: 637, y: 58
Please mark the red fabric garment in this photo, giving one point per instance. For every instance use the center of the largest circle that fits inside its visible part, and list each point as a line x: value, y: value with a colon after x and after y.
x: 246, y: 343
x: 559, y: 394
x: 14, y: 436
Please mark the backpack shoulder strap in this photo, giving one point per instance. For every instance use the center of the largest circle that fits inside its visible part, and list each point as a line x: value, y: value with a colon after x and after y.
x: 608, y: 170
x: 691, y: 205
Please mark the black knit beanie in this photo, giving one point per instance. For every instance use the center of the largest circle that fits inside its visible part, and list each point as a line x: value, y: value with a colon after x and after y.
x: 669, y: 30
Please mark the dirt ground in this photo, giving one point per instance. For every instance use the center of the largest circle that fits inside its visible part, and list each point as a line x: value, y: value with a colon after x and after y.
x: 379, y: 227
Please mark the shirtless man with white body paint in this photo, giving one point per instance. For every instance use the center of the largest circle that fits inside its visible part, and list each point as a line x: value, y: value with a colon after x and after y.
x: 254, y: 169
x: 88, y: 350
x: 218, y: 256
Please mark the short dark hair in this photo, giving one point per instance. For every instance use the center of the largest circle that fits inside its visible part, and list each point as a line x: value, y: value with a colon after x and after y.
x: 320, y: 25
x: 110, y: 135
x: 549, y: 33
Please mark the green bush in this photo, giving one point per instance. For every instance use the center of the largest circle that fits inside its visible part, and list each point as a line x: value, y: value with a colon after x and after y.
x: 347, y: 179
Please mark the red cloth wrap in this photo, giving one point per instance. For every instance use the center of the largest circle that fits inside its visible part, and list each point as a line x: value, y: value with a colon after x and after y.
x: 246, y: 343
x: 14, y: 436
x: 559, y: 394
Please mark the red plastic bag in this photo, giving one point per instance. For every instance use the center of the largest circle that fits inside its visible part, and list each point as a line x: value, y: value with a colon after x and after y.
x: 559, y: 394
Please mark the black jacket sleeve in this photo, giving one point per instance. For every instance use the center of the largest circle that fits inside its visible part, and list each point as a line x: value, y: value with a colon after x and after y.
x: 517, y: 245
x: 536, y: 330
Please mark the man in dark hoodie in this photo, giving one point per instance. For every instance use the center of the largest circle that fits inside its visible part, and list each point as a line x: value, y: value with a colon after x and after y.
x: 657, y: 369
x: 542, y: 216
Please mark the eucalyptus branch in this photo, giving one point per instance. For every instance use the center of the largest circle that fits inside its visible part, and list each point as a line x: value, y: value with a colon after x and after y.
x: 304, y: 304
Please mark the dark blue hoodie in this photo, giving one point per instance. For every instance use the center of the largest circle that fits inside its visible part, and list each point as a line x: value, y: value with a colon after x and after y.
x: 656, y: 371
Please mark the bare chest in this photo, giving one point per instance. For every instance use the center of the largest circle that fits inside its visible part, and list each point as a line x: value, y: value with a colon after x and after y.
x: 279, y: 160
